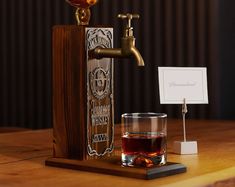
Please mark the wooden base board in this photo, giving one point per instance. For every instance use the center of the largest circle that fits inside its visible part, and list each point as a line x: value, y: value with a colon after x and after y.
x: 112, y: 166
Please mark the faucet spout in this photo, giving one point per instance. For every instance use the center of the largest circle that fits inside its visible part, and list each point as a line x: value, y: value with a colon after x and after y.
x: 127, y: 50
x: 117, y: 53
x: 138, y: 57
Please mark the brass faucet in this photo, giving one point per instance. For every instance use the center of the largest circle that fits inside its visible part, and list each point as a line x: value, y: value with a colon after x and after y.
x: 127, y: 44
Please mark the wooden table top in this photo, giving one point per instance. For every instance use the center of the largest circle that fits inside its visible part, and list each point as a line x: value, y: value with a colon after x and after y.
x: 22, y: 157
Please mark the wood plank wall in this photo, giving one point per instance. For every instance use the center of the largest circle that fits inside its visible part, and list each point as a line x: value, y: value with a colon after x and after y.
x: 169, y: 33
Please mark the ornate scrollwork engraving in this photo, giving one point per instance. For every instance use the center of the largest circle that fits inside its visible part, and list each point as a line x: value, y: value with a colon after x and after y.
x: 100, y: 122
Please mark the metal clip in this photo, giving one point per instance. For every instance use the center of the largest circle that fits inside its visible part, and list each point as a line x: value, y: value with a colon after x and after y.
x: 184, y: 111
x: 184, y: 107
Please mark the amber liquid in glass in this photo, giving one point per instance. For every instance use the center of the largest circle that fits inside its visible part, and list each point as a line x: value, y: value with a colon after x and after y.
x: 82, y: 3
x: 143, y: 149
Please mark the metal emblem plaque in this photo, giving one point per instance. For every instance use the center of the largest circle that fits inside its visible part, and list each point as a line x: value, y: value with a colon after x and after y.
x: 100, y: 111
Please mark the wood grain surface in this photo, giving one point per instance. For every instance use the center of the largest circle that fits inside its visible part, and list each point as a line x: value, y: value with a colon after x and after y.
x: 23, y: 154
x: 69, y: 91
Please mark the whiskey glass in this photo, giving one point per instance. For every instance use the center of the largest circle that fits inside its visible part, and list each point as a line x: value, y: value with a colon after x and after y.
x: 144, y: 139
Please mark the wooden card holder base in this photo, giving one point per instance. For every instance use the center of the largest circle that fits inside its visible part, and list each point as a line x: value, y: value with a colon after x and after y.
x: 112, y: 166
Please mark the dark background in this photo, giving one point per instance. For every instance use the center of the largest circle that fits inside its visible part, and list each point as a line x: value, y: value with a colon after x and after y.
x: 169, y: 33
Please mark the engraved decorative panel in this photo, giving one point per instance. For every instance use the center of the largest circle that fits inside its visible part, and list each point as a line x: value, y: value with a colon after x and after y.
x: 100, y: 124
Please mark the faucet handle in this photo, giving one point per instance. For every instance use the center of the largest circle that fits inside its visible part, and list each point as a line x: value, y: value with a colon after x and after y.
x: 129, y: 17
x: 129, y: 29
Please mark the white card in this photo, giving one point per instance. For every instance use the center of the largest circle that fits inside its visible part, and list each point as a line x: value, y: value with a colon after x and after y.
x: 177, y: 83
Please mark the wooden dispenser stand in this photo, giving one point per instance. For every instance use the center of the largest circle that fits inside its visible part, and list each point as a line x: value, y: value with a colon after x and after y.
x: 83, y: 112
x: 82, y: 94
